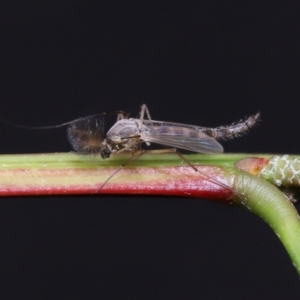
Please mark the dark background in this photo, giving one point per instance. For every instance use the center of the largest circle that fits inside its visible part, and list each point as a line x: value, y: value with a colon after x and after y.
x: 203, y: 64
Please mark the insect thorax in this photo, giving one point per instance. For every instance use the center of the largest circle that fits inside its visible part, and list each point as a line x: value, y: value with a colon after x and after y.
x: 124, y: 129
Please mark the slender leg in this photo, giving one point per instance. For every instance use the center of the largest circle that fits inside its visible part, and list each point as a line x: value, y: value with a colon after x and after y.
x: 174, y: 150
x: 133, y: 141
x: 144, y: 109
x: 138, y: 153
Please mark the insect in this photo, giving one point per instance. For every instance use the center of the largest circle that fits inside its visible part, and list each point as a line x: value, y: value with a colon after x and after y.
x: 127, y: 135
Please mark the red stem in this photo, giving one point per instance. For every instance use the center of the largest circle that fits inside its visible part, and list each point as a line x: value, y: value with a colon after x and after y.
x: 171, y: 181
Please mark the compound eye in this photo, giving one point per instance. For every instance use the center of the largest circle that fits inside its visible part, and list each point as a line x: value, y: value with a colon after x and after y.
x: 105, y: 153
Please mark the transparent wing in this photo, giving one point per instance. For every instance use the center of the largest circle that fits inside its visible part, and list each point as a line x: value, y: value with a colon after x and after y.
x: 154, y: 123
x: 204, y: 145
x: 180, y: 136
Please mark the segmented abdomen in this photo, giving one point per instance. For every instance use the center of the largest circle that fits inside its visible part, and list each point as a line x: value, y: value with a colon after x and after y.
x: 235, y: 130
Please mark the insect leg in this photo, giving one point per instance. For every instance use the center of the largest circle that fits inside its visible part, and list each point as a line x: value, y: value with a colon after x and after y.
x: 144, y: 109
x: 207, y: 177
x: 134, y: 157
x: 139, y: 153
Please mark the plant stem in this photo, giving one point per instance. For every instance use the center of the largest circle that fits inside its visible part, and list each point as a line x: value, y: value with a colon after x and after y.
x: 219, y: 178
x: 67, y: 173
x: 266, y: 201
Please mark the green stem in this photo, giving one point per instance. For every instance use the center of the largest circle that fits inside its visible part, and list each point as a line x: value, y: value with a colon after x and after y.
x: 62, y: 160
x: 266, y: 201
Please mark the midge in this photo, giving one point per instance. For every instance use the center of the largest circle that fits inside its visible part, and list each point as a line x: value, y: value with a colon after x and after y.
x: 128, y: 134
x: 87, y: 136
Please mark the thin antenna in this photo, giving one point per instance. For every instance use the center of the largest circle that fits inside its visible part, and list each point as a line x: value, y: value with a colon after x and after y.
x: 63, y: 124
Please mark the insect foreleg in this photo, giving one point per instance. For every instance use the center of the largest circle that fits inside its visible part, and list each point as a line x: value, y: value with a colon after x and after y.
x: 134, y: 157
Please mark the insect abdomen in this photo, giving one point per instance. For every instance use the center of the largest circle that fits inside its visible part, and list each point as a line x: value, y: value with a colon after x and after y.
x: 235, y: 130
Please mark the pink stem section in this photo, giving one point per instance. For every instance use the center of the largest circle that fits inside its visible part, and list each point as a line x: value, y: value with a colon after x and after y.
x: 210, y: 182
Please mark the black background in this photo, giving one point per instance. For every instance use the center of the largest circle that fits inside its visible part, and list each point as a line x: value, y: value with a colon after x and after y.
x: 203, y: 64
